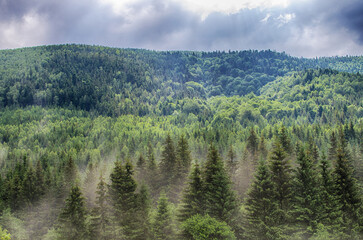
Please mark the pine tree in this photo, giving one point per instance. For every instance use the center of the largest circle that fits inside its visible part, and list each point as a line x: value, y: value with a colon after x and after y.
x: 73, y: 216
x: 193, y: 197
x: 140, y: 163
x: 142, y: 214
x: 29, y: 186
x: 252, y: 143
x: 219, y: 198
x: 70, y: 173
x: 281, y: 178
x: 231, y: 163
x: 346, y: 187
x: 331, y: 214
x: 122, y: 192
x: 307, y: 205
x: 162, y: 224
x: 101, y: 221
x: 168, y: 160
x: 262, y: 148
x: 333, y: 148
x: 183, y: 157
x: 260, y: 205
x: 39, y: 180
x: 284, y: 139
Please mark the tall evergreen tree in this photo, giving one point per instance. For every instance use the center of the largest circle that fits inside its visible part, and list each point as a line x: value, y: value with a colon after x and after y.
x: 252, y: 143
x: 307, y: 205
x: 168, y: 159
x: 333, y: 147
x: 143, y: 213
x: 281, y: 178
x: 231, y: 160
x: 193, y: 197
x: 220, y: 200
x: 39, y: 180
x: 73, y: 216
x: 183, y: 157
x: 29, y: 186
x: 284, y: 139
x: 162, y: 224
x: 260, y: 206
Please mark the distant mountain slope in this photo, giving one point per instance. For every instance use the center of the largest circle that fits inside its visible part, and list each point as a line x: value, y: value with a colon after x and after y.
x: 113, y: 81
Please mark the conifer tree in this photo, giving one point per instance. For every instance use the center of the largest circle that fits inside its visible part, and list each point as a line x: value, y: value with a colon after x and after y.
x: 101, y: 221
x: 168, y: 159
x: 330, y: 214
x: 141, y: 162
x: 333, y: 148
x: 260, y: 206
x: 281, y: 178
x: 124, y: 199
x: 220, y: 200
x: 142, y: 214
x: 29, y: 186
x: 284, y: 139
x: 39, y: 180
x: 70, y: 173
x: 231, y: 163
x: 193, y: 197
x: 307, y: 205
x: 73, y: 216
x: 262, y: 148
x: 346, y: 187
x: 183, y: 157
x: 162, y: 224
x: 252, y: 143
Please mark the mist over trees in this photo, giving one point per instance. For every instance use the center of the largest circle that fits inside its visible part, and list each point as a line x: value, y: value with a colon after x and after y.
x: 104, y: 143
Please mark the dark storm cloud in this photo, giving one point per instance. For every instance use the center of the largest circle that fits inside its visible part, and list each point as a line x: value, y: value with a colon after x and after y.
x: 305, y: 28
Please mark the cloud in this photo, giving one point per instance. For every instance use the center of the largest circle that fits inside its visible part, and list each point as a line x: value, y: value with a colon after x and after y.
x: 302, y: 28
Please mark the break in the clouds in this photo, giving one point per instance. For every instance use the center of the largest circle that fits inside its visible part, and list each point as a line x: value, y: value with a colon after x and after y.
x: 302, y: 28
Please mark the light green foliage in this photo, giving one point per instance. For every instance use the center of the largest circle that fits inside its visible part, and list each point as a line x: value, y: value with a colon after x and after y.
x: 200, y: 227
x: 4, y: 235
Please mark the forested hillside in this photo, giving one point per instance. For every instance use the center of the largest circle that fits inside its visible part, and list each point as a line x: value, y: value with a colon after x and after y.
x: 106, y: 143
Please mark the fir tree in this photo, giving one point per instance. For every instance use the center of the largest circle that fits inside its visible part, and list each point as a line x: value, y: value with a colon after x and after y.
x: 333, y: 148
x: 183, y: 157
x: 219, y: 198
x: 231, y: 163
x: 193, y: 197
x: 330, y: 214
x: 162, y: 224
x: 39, y: 180
x: 122, y: 192
x: 168, y: 159
x: 142, y: 214
x: 281, y: 179
x: 260, y: 205
x: 284, y: 139
x: 307, y: 206
x: 252, y: 143
x: 346, y: 187
x: 73, y: 216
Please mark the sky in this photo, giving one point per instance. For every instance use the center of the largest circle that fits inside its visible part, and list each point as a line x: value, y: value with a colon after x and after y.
x: 302, y: 28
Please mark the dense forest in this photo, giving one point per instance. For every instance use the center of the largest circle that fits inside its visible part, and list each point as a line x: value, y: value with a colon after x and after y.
x: 107, y: 143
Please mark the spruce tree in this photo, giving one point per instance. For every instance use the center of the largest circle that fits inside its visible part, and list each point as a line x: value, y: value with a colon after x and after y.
x: 284, y: 139
x: 346, y: 187
x: 231, y: 162
x: 220, y: 200
x: 333, y: 148
x: 73, y: 216
x: 29, y: 186
x: 252, y: 143
x: 168, y: 160
x: 307, y: 205
x: 124, y: 199
x: 142, y: 213
x: 183, y: 157
x: 39, y: 180
x: 281, y: 179
x: 193, y: 197
x: 330, y: 214
x: 260, y: 206
x: 162, y: 224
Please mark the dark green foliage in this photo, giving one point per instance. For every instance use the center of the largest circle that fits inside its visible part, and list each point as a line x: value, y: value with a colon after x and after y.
x: 162, y: 224
x: 281, y: 179
x: 260, y: 206
x: 193, y: 197
x: 73, y: 216
x: 183, y: 158
x: 168, y: 159
x: 307, y: 202
x: 252, y: 142
x: 205, y: 227
x: 220, y: 200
